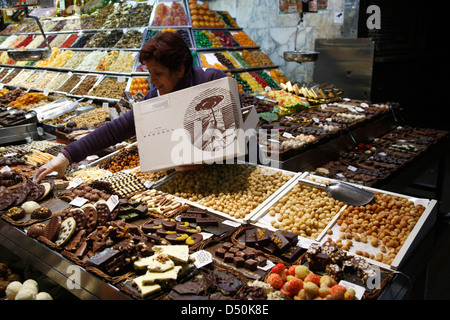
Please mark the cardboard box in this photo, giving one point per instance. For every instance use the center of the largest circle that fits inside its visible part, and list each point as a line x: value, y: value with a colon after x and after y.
x: 200, y: 124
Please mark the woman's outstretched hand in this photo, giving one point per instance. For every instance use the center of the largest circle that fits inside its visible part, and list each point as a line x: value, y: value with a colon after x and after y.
x: 58, y: 164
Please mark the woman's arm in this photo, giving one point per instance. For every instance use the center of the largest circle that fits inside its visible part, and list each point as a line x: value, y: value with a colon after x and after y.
x: 103, y: 137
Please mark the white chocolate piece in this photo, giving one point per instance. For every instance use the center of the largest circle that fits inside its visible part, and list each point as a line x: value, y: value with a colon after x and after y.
x: 145, y: 290
x: 179, y: 253
x: 156, y: 263
x: 152, y: 277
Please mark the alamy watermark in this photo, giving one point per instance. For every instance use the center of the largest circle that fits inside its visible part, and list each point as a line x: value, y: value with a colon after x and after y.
x: 374, y: 20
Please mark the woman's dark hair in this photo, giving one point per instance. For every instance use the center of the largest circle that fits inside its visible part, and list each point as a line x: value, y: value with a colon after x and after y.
x: 169, y: 49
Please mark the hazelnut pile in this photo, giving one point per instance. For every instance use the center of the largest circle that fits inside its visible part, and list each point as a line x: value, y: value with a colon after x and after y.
x: 232, y: 189
x: 384, y: 223
x: 305, y: 211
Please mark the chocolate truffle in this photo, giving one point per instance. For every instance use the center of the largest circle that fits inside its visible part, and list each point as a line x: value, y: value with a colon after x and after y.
x: 41, y: 213
x: 16, y: 213
x: 36, y: 230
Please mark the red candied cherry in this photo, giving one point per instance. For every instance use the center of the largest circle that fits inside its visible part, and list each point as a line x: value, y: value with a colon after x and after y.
x: 275, y: 280
x: 338, y: 292
x: 314, y: 278
x: 291, y: 271
x: 278, y: 268
x: 294, y: 285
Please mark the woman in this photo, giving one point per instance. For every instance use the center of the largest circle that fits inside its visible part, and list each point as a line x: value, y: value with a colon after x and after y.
x: 170, y: 64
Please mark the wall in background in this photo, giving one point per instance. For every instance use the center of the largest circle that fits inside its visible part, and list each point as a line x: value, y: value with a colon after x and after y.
x: 275, y: 33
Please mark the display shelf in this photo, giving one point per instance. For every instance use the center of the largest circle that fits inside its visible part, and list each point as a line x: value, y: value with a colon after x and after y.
x: 331, y: 230
x: 74, y: 278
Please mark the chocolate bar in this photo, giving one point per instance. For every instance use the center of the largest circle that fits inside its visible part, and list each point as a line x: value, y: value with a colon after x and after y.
x: 251, y: 264
x: 318, y: 262
x: 280, y: 242
x: 335, y: 271
x: 102, y: 258
x: 206, y: 222
x: 292, y: 254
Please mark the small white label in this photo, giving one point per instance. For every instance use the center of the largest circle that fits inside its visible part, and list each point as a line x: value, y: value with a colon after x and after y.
x: 74, y: 183
x: 202, y: 258
x: 359, y: 291
x: 231, y: 223
x: 148, y: 184
x: 5, y: 169
x: 92, y: 158
x: 288, y: 135
x: 112, y: 202
x: 78, y: 201
x: 352, y: 168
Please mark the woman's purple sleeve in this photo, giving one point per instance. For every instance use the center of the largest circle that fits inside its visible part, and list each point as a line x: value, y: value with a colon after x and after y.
x: 123, y: 127
x: 103, y: 137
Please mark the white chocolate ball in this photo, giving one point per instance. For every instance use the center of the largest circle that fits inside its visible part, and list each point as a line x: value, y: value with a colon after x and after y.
x: 12, y: 289
x: 26, y: 294
x: 43, y: 296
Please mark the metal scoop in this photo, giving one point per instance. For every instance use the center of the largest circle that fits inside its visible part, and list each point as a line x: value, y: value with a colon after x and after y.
x: 344, y: 192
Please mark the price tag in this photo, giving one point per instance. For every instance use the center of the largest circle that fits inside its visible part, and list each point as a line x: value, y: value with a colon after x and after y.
x: 352, y: 168
x: 323, y: 106
x: 422, y: 202
x: 78, y: 201
x: 288, y: 135
x: 74, y: 183
x: 316, y: 120
x: 364, y: 105
x: 92, y: 158
x: 112, y: 202
x: 121, y: 79
x: 46, y: 92
x: 304, y: 242
x: 105, y: 105
x: 202, y: 258
x: 231, y: 223
x: 5, y: 169
x: 148, y: 184
x: 359, y: 291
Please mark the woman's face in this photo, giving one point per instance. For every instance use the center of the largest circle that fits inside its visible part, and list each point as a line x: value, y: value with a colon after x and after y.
x: 162, y: 77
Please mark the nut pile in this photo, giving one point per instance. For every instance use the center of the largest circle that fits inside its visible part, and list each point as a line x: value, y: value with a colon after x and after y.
x: 384, y: 223
x: 109, y: 88
x: 232, y: 189
x: 305, y: 211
